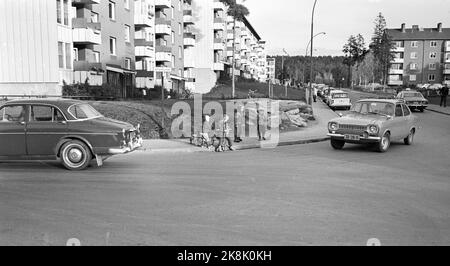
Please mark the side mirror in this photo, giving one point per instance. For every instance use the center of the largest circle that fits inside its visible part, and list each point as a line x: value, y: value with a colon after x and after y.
x: 340, y: 114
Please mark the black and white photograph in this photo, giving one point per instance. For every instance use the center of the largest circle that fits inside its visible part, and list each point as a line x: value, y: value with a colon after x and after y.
x: 224, y: 123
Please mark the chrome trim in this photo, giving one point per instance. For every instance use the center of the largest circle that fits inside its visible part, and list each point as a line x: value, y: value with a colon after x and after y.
x: 124, y: 150
x: 361, y: 137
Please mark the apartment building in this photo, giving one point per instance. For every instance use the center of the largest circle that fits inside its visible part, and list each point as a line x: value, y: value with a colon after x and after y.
x: 29, y: 54
x: 144, y: 42
x: 270, y: 69
x: 421, y: 55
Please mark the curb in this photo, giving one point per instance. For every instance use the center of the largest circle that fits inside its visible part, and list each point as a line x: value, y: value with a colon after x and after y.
x: 439, y: 112
x: 285, y: 143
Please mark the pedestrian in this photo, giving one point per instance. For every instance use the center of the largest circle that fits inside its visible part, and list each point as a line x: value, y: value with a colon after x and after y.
x: 315, y: 94
x: 444, y: 95
x: 239, y: 123
x: 261, y: 121
x: 224, y: 134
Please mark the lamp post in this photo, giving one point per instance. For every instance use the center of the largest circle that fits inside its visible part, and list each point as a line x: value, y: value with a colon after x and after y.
x: 282, y: 70
x: 306, y: 53
x: 311, y: 62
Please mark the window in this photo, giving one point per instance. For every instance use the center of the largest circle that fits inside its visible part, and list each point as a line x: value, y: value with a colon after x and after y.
x: 58, y: 11
x: 413, y: 55
x: 179, y: 4
x: 412, y: 77
x: 433, y: 44
x: 413, y: 66
x: 66, y: 12
x: 96, y: 57
x: 15, y: 113
x: 75, y: 54
x: 127, y: 4
x: 180, y: 29
x: 398, y: 44
x: 127, y: 33
x: 431, y: 77
x: 83, y: 111
x: 432, y: 66
x: 398, y: 110
x: 172, y: 9
x: 94, y: 17
x: 173, y: 61
x: 112, y: 45
x: 68, y: 57
x: 433, y: 55
x: 45, y: 114
x: 414, y: 44
x: 406, y: 110
x: 173, y: 37
x: 112, y: 10
x: 127, y: 63
x: 61, y: 54
x: 180, y: 52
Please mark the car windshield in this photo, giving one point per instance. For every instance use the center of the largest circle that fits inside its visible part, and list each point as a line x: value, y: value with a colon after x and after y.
x: 83, y: 111
x: 381, y: 108
x: 340, y: 95
x: 412, y: 94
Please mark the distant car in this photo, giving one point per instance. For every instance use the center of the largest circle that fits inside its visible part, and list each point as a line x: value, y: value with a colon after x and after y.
x: 68, y: 130
x: 413, y: 99
x: 328, y: 95
x: 374, y: 121
x: 339, y: 99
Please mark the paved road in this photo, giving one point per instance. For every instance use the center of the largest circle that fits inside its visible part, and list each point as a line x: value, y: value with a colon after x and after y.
x: 295, y: 195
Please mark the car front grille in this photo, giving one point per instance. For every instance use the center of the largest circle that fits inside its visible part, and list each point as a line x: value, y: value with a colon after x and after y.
x: 351, y: 129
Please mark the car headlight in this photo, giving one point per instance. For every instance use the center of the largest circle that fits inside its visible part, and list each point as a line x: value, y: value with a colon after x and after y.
x: 373, y: 129
x: 333, y: 126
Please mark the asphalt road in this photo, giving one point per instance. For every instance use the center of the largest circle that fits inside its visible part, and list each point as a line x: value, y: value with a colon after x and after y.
x: 295, y: 195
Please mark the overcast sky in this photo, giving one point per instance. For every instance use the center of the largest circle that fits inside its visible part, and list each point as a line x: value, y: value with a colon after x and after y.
x: 286, y: 23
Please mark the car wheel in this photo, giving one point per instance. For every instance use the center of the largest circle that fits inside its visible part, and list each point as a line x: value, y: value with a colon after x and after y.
x: 337, y: 144
x: 421, y: 110
x: 409, y: 140
x: 75, y: 155
x: 385, y: 143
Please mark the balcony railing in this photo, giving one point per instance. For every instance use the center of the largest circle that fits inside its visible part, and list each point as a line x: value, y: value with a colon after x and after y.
x: 218, y: 5
x: 163, y: 26
x: 144, y: 51
x: 447, y: 71
x: 219, y: 66
x: 143, y: 42
x: 85, y: 32
x: 395, y: 82
x: 396, y: 71
x: 143, y: 20
x: 163, y: 3
x: 187, y: 17
x: 164, y: 56
x: 189, y: 39
x: 398, y: 60
x: 86, y: 66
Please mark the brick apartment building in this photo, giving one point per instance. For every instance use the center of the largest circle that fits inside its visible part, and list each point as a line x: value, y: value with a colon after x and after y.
x: 422, y: 56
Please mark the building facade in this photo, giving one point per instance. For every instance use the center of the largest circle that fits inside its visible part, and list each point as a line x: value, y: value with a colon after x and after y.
x: 126, y: 46
x: 421, y: 56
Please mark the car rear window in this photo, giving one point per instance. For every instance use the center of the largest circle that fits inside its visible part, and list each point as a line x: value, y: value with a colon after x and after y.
x: 412, y: 94
x: 340, y: 95
x: 83, y: 111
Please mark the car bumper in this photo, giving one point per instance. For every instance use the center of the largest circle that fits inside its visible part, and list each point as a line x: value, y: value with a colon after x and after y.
x: 362, y: 139
x: 417, y: 106
x: 124, y: 150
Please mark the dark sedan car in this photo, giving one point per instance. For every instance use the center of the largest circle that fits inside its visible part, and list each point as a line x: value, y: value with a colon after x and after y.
x: 67, y: 130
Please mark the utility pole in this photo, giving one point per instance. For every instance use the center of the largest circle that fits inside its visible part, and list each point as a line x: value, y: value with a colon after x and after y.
x: 162, y: 101
x: 312, y: 49
x: 233, y: 65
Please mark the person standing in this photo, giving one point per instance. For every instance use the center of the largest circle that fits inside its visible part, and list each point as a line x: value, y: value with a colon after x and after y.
x: 238, y: 124
x: 444, y: 95
x: 261, y: 120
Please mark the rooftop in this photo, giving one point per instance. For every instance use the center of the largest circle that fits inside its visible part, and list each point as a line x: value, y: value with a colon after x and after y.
x: 417, y: 33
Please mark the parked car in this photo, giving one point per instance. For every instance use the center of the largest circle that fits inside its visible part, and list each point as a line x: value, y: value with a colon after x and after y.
x: 67, y: 130
x: 413, y: 99
x: 339, y: 99
x: 374, y: 121
x: 328, y: 95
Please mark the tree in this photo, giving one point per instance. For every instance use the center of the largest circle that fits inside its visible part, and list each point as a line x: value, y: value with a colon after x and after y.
x: 381, y: 46
x: 238, y: 12
x: 354, y: 51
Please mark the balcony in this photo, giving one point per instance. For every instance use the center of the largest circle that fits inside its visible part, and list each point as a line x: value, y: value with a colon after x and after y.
x: 85, y: 2
x: 85, y: 32
x: 447, y: 71
x: 447, y: 58
x: 395, y: 82
x: 164, y: 56
x: 145, y: 74
x: 163, y: 3
x: 219, y: 24
x: 187, y: 17
x: 218, y: 66
x: 143, y: 20
x: 163, y: 27
x: 86, y: 66
x: 398, y: 49
x: 144, y: 51
x: 143, y: 42
x: 218, y: 5
x: 396, y: 71
x: 447, y: 46
x: 398, y: 60
x: 189, y: 39
x: 219, y: 45
x: 145, y: 82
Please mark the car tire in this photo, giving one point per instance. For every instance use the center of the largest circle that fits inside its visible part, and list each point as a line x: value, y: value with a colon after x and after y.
x: 75, y: 155
x: 410, y: 138
x: 385, y: 143
x: 337, y: 144
x: 421, y: 110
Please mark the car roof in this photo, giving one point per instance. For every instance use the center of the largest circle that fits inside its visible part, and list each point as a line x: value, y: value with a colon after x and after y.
x: 337, y: 91
x: 393, y: 101
x: 59, y: 102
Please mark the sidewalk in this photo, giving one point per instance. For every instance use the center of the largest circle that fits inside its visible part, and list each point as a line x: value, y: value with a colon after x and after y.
x: 437, y: 109
x: 316, y: 132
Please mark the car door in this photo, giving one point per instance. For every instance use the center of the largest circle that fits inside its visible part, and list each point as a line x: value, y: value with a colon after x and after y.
x: 409, y: 120
x: 45, y: 129
x: 13, y: 119
x: 398, y: 123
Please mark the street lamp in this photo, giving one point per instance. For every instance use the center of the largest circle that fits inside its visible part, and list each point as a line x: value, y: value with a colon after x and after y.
x: 312, y: 42
x: 282, y: 70
x: 306, y: 53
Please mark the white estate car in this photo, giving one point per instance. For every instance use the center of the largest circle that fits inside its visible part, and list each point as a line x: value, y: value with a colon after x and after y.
x: 339, y: 99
